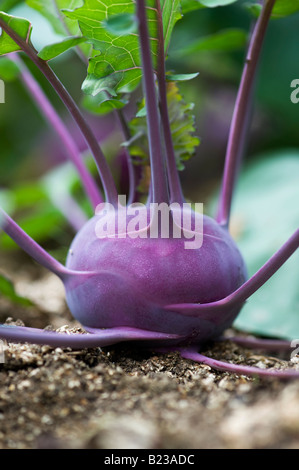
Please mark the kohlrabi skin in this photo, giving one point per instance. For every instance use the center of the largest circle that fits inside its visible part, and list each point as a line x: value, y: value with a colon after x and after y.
x: 169, y: 293
x: 135, y: 279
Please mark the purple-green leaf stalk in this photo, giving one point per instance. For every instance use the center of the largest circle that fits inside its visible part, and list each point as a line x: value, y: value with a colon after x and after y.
x: 153, y: 291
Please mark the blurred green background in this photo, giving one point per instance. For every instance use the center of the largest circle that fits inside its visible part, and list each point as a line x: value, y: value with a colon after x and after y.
x: 275, y: 122
x: 29, y: 148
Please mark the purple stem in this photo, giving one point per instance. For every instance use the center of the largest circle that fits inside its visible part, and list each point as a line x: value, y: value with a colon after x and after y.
x: 259, y: 343
x: 51, y: 115
x: 118, y: 113
x: 97, y: 338
x: 175, y: 189
x: 14, y: 231
x: 30, y: 246
x: 103, y: 168
x: 159, y: 182
x: 268, y: 269
x: 239, y: 122
x: 236, y: 368
x: 70, y: 209
x: 61, y: 17
x: 250, y: 286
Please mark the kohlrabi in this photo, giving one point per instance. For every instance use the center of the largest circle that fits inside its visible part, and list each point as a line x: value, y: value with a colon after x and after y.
x: 159, y: 274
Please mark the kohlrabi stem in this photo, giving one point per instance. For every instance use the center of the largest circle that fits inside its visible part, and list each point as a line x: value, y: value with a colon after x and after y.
x: 159, y: 181
x: 268, y: 269
x: 119, y: 117
x: 175, y: 189
x: 61, y: 17
x: 29, y: 245
x: 69, y: 208
x: 131, y: 170
x: 103, y: 168
x: 249, y: 287
x: 44, y: 105
x: 192, y: 354
x: 239, y: 122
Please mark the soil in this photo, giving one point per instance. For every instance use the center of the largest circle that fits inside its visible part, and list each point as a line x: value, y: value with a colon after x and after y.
x: 124, y: 398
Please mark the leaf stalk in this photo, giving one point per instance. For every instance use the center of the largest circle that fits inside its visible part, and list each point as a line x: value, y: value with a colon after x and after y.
x: 103, y: 168
x: 158, y: 178
x: 239, y: 123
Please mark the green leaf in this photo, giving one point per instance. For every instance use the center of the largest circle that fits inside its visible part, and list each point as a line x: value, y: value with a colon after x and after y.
x: 171, y: 15
x: 216, y: 3
x: 8, y: 70
x: 115, y: 67
x: 253, y: 8
x: 122, y: 24
x: 182, y: 125
x: 51, y: 10
x: 22, y: 196
x: 7, y: 290
x: 28, y: 194
x: 226, y: 40
x: 285, y: 8
x: 7, y: 200
x: 190, y: 5
x: 36, y: 214
x: 59, y: 181
x: 182, y: 77
x: 6, y: 5
x: 281, y: 8
x: 265, y: 214
x: 182, y: 129
x: 41, y: 224
x: 53, y: 50
x: 21, y: 26
x: 93, y: 86
x: 102, y: 104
